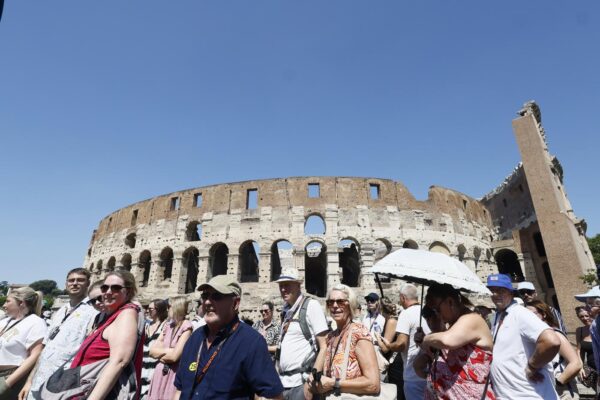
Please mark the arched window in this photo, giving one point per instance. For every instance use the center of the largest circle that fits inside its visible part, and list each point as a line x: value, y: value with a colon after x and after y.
x: 193, y: 232
x: 508, y: 263
x: 439, y: 247
x: 248, y: 261
x: 282, y: 257
x: 190, y: 260
x: 99, y: 268
x: 166, y: 261
x: 314, y: 225
x: 144, y: 264
x: 349, y: 262
x: 410, y: 244
x: 315, y: 265
x: 130, y: 240
x: 126, y: 262
x: 218, y: 260
x: 381, y: 248
x: 110, y: 265
x: 461, y: 250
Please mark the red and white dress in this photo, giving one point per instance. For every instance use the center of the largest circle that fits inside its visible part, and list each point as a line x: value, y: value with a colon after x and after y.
x: 460, y: 374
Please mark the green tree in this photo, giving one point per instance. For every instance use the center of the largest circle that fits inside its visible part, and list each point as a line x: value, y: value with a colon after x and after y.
x: 594, y: 244
x: 3, y: 287
x: 46, y: 286
x: 2, y: 300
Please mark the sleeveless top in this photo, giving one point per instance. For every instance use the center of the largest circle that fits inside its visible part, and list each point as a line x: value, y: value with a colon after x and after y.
x: 334, y: 355
x: 95, y: 347
x: 460, y: 374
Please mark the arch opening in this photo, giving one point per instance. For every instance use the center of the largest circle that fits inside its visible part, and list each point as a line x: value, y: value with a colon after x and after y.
x: 130, y: 240
x: 508, y: 263
x: 144, y: 264
x: 314, y: 225
x: 381, y: 248
x: 190, y: 260
x: 248, y: 261
x: 439, y: 247
x: 110, y: 265
x: 410, y: 244
x: 282, y: 257
x: 126, y: 262
x: 166, y: 261
x: 315, y: 269
x: 193, y: 232
x: 218, y: 255
x: 349, y: 262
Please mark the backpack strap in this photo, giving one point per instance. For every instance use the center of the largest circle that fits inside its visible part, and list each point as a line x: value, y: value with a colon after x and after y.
x: 304, y: 325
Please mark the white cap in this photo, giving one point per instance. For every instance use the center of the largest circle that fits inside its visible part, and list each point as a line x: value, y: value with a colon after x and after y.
x: 289, y: 275
x: 525, y: 286
x: 593, y: 292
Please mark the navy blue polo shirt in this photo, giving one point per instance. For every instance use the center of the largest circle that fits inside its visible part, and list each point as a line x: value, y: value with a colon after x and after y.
x: 242, y: 368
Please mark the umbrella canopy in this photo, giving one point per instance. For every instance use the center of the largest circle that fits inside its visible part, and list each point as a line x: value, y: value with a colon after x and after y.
x: 426, y: 267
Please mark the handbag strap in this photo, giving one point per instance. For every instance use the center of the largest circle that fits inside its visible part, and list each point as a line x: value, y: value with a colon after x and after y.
x: 501, y: 316
x: 346, y: 354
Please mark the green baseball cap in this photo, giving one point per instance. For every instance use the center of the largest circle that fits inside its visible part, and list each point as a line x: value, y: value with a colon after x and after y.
x: 224, y: 284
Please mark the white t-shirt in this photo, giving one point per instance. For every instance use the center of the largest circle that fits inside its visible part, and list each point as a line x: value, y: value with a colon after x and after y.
x: 408, y: 322
x: 16, y: 341
x: 515, y: 343
x: 295, y: 348
x: 374, y: 324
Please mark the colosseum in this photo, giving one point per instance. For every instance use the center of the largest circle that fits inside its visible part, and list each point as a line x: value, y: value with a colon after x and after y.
x: 332, y: 229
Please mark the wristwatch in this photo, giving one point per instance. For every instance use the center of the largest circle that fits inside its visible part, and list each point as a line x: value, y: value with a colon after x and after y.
x: 336, y: 387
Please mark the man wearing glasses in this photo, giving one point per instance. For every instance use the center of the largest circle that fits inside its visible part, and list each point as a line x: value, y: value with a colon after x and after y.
x: 267, y: 327
x: 373, y: 320
x: 528, y: 293
x: 66, y: 332
x: 226, y: 358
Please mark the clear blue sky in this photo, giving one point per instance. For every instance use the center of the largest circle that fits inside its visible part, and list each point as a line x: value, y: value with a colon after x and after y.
x: 106, y: 103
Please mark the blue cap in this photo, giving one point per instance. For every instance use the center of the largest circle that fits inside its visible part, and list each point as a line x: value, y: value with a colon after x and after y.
x: 500, y: 280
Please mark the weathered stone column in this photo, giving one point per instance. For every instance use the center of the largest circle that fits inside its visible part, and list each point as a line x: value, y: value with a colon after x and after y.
x: 178, y: 274
x: 233, y: 266
x: 264, y: 267
x: 203, y: 267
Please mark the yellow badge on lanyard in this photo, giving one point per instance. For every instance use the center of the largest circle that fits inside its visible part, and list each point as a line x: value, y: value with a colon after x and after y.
x: 193, y: 366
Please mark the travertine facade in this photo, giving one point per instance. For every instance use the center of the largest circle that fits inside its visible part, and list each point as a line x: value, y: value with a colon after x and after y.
x: 174, y: 242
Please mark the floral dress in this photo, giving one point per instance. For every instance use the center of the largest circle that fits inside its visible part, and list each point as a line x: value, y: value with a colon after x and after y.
x: 460, y: 374
x: 334, y: 356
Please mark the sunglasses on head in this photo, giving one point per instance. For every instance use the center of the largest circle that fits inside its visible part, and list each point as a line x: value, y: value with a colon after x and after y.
x: 95, y: 300
x: 113, y: 288
x: 341, y: 302
x: 214, y: 296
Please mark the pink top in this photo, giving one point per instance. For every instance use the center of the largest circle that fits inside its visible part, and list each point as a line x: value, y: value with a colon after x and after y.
x: 161, y: 385
x: 460, y: 374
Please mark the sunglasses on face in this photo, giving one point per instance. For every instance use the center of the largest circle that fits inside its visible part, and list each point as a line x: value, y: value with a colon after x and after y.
x: 113, y: 288
x: 264, y: 311
x: 215, y: 296
x: 95, y: 300
x: 340, y: 302
x: 371, y: 301
x: 527, y: 292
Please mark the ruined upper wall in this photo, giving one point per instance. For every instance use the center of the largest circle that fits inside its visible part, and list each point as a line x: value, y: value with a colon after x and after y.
x: 344, y: 192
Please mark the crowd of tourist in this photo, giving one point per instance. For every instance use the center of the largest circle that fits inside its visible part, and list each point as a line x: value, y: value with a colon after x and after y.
x: 104, y: 345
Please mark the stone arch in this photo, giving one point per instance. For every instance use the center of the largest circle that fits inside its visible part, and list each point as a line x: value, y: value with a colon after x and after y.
x: 410, y: 244
x: 126, y: 262
x: 508, y: 263
x: 193, y: 231
x: 248, y: 261
x: 218, y: 255
x: 282, y: 257
x: 99, y: 268
x: 190, y: 260
x: 110, y: 265
x: 381, y: 248
x: 91, y: 268
x: 166, y: 262
x: 439, y: 247
x: 461, y: 251
x: 349, y: 261
x: 314, y: 225
x: 315, y: 268
x: 144, y: 262
x: 130, y: 240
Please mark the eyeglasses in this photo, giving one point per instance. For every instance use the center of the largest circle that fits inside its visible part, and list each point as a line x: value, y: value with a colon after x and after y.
x: 526, y: 292
x: 113, y: 288
x: 340, y: 302
x: 371, y: 301
x: 214, y: 296
x: 264, y: 311
x: 95, y: 300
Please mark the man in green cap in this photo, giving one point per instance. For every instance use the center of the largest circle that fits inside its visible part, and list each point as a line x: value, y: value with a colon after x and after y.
x: 225, y: 358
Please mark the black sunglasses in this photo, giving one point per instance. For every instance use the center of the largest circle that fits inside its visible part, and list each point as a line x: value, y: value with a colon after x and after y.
x: 214, y: 296
x: 264, y: 311
x: 113, y: 288
x: 341, y: 302
x: 95, y: 300
x: 526, y: 291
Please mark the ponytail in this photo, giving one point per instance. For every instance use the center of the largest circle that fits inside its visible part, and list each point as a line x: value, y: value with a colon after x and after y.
x: 32, y: 299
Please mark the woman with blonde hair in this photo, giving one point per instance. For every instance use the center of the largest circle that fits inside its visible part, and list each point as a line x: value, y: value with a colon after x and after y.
x: 21, y: 336
x: 167, y: 349
x: 350, y: 364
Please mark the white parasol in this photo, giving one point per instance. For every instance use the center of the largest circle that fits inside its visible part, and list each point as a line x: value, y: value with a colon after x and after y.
x: 426, y: 268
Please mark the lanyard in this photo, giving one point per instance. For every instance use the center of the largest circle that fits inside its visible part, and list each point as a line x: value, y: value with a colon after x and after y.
x: 8, y: 328
x: 67, y: 315
x: 200, y: 376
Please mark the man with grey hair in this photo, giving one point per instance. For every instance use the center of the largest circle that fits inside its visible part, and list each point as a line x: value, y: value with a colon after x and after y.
x: 409, y: 323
